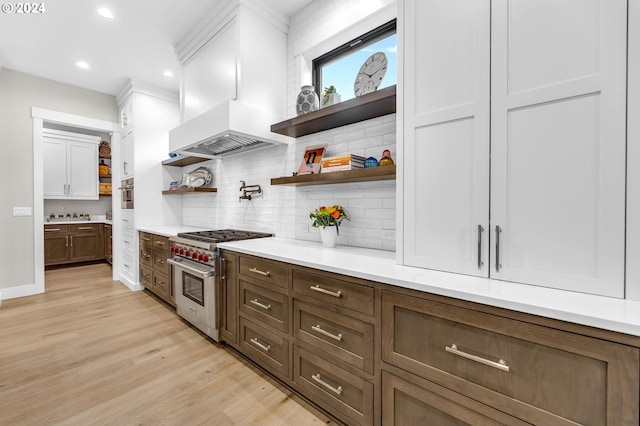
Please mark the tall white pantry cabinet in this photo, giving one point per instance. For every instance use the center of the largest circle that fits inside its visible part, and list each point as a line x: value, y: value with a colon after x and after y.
x: 513, y: 125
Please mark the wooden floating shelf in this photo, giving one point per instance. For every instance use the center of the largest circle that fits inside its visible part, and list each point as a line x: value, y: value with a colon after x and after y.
x: 359, y: 175
x: 189, y: 190
x: 181, y: 161
x: 371, y: 105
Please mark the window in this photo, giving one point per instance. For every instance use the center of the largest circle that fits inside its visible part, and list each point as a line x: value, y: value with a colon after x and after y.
x: 339, y: 67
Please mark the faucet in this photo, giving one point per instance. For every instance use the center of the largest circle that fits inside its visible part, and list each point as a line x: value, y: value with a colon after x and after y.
x: 247, y: 190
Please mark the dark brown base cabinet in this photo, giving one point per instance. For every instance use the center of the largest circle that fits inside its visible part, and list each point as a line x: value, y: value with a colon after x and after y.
x: 374, y: 354
x: 155, y: 271
x: 72, y: 243
x: 108, y: 243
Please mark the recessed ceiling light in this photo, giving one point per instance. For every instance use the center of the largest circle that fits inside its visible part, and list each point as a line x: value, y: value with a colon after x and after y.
x: 105, y: 13
x: 83, y: 65
x: 168, y: 73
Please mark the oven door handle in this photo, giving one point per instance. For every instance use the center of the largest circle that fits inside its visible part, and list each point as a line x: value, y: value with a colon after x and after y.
x: 183, y: 265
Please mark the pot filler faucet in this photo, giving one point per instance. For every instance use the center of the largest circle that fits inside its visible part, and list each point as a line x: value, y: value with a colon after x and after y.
x: 247, y: 190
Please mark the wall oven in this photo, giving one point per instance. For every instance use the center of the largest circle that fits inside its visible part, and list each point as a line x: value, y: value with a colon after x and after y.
x: 195, y: 264
x: 126, y: 194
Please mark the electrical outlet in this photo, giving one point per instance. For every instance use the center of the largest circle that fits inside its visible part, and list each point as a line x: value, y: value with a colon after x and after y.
x: 303, y: 227
x: 388, y: 234
x: 22, y: 211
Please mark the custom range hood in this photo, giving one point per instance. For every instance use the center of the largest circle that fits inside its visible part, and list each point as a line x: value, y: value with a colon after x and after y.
x: 229, y: 128
x: 233, y: 82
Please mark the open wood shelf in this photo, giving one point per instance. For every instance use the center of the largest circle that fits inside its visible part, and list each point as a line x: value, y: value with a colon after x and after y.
x: 371, y: 105
x: 359, y: 175
x: 181, y: 161
x: 189, y: 190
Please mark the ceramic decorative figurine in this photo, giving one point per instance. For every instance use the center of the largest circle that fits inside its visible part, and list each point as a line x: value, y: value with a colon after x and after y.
x: 307, y: 100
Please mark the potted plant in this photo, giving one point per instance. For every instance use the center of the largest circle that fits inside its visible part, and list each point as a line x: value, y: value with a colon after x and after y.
x: 330, y: 96
x: 328, y: 218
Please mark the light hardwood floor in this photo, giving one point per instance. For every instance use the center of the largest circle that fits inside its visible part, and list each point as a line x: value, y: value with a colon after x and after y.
x: 91, y: 352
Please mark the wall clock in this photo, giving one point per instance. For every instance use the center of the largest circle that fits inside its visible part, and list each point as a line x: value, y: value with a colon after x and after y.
x: 370, y: 75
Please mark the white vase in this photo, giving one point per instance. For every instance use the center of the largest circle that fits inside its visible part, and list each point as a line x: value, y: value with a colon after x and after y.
x: 329, y: 236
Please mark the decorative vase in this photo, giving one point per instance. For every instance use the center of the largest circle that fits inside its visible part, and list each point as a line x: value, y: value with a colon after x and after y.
x: 104, y: 148
x: 329, y: 236
x: 307, y: 100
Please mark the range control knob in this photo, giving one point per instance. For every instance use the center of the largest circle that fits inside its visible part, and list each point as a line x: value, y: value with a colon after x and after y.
x: 181, y: 251
x: 205, y: 258
x: 194, y: 255
x: 201, y: 257
x: 187, y: 253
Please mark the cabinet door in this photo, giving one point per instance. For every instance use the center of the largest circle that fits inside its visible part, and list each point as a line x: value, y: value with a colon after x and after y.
x: 54, y: 154
x: 126, y: 153
x: 229, y: 286
x: 558, y: 143
x: 84, y: 246
x: 445, y: 84
x: 56, y: 249
x: 82, y: 171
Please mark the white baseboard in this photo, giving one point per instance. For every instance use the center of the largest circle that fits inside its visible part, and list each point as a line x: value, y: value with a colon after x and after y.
x: 18, y: 291
x: 132, y: 286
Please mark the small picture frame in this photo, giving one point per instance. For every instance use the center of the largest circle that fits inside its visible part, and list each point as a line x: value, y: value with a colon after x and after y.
x: 312, y: 159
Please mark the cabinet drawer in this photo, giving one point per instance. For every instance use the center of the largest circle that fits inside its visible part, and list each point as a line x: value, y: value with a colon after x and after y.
x: 338, y: 292
x: 146, y: 276
x: 50, y: 230
x: 346, y: 338
x: 128, y: 242
x: 267, y: 348
x: 85, y: 228
x: 160, y: 242
x: 160, y: 263
x: 539, y: 372
x: 265, y: 305
x: 146, y: 256
x: 428, y: 404
x: 264, y: 270
x: 146, y: 239
x: 127, y: 220
x: 128, y: 266
x: 329, y: 385
x: 160, y: 284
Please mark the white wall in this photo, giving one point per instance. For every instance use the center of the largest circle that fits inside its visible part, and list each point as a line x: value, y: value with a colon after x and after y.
x: 18, y: 93
x: 285, y: 210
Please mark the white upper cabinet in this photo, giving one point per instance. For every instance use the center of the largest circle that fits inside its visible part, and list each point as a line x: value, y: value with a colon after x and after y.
x: 446, y: 134
x: 514, y: 156
x: 558, y: 105
x: 70, y: 163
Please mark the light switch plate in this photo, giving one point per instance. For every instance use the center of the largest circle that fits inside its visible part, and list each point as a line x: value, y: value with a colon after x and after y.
x: 22, y: 211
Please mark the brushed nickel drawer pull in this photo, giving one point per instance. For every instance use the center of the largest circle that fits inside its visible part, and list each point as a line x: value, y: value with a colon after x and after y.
x: 160, y: 261
x: 256, y: 342
x: 85, y: 228
x: 146, y: 256
x: 337, y: 391
x: 317, y: 328
x: 145, y: 239
x: 259, y: 272
x: 325, y: 291
x: 262, y: 305
x: 501, y: 364
x: 51, y: 229
x: 160, y: 243
x: 71, y: 239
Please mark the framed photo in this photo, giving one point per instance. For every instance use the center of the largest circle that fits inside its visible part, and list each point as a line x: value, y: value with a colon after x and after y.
x: 312, y: 160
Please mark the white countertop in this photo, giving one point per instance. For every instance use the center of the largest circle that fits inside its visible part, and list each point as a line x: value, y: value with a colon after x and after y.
x: 376, y: 265
x: 170, y: 231
x: 71, y: 221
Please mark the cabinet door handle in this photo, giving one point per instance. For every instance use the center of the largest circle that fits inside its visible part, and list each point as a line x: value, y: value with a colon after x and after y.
x: 325, y: 291
x: 260, y: 304
x: 259, y: 272
x: 66, y: 242
x: 51, y: 229
x: 498, y: 232
x: 256, y: 342
x: 317, y: 328
x: 480, y: 231
x: 85, y: 228
x: 337, y: 391
x: 71, y: 243
x: 501, y: 364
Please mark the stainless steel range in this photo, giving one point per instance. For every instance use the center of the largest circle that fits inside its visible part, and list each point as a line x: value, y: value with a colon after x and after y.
x: 196, y: 270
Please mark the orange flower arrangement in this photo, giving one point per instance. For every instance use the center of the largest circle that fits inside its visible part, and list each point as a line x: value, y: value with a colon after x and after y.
x: 328, y: 216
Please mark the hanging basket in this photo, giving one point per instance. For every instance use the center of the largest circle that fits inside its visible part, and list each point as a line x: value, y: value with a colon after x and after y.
x: 104, y: 149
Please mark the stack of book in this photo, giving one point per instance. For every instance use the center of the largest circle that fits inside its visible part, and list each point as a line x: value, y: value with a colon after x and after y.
x: 341, y: 163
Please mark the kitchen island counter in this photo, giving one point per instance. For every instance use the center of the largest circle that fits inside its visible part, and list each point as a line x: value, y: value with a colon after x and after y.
x: 376, y: 265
